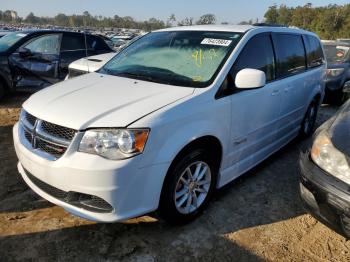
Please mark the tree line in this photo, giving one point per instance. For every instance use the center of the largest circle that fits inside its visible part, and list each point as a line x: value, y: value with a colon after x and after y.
x: 329, y: 22
x: 88, y: 20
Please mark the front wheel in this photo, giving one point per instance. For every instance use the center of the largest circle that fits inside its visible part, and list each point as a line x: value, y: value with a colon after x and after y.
x: 187, y: 188
x: 2, y: 90
x: 308, y: 124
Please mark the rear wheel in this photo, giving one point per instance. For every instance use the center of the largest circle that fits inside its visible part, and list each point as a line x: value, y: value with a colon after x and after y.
x: 187, y: 188
x: 308, y: 124
x: 338, y: 98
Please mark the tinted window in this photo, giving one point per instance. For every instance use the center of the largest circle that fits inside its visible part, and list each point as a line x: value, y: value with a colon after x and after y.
x: 96, y: 43
x: 73, y: 42
x: 48, y: 44
x: 290, y: 54
x: 314, y: 51
x: 257, y: 54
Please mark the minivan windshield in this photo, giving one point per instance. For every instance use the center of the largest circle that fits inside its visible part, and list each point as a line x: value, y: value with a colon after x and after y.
x: 337, y: 53
x: 9, y: 40
x: 183, y: 58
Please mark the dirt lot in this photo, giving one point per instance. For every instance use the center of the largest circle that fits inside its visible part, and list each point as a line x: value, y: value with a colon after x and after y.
x: 258, y: 217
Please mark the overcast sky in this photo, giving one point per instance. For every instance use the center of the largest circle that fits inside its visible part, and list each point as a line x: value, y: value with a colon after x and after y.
x: 232, y: 11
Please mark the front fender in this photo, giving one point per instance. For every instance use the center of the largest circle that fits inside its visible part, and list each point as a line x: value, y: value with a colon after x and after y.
x: 173, y: 129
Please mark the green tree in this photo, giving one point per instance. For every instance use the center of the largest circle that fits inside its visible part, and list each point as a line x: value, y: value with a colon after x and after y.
x: 31, y: 19
x: 206, y: 19
x: 271, y: 15
x: 186, y: 22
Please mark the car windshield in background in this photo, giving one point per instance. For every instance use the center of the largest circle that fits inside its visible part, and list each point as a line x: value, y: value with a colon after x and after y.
x: 9, y: 40
x: 183, y: 58
x: 337, y: 53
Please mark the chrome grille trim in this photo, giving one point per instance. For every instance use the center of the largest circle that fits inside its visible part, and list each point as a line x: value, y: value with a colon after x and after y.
x: 40, y: 132
x: 38, y: 140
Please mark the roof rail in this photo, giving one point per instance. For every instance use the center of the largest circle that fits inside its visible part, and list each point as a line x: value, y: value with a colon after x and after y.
x: 271, y: 25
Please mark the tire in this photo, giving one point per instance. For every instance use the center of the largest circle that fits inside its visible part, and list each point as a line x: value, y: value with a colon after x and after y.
x: 179, y: 188
x: 338, y: 98
x: 2, y: 91
x: 308, y: 124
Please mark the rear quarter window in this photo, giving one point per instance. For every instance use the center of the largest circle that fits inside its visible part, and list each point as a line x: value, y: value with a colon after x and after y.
x: 314, y: 53
x: 73, y: 42
x: 290, y: 54
x: 96, y: 43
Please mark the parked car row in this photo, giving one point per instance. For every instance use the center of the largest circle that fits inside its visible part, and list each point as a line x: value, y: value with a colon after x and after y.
x: 180, y: 112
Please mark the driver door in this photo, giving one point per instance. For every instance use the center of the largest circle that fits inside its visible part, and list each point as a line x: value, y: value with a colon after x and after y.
x: 254, y: 112
x: 35, y: 65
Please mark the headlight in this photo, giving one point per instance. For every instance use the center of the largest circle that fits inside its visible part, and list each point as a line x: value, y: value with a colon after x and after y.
x: 114, y: 143
x: 330, y: 159
x: 335, y: 72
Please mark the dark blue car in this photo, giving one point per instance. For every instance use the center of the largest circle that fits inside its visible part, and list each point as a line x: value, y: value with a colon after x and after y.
x: 338, y: 71
x: 32, y: 60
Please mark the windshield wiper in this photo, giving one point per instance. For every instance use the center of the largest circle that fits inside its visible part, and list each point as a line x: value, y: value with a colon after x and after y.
x: 136, y: 76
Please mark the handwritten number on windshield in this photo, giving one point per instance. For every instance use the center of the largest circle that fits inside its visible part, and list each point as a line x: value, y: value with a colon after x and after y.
x: 200, y: 55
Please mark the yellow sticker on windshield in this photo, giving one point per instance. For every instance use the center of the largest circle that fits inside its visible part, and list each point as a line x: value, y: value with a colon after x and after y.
x: 197, y: 78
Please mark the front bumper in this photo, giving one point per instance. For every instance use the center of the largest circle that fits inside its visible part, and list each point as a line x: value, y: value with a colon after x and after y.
x: 325, y: 197
x: 131, y: 190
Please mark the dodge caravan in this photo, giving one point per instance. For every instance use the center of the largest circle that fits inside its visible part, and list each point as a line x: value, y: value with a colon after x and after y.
x: 175, y: 115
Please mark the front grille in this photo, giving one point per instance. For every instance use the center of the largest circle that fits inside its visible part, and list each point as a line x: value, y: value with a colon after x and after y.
x: 28, y: 136
x: 85, y: 201
x: 50, y: 139
x: 52, y: 149
x: 52, y: 191
x: 58, y: 131
x: 30, y: 118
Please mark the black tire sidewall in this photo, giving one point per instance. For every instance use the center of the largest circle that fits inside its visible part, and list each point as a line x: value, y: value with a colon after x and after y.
x: 304, y: 134
x: 2, y: 90
x: 167, y: 209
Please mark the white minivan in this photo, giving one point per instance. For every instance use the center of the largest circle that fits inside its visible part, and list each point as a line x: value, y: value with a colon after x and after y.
x: 175, y: 115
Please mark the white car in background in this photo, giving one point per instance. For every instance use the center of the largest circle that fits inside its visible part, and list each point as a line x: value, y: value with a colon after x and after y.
x: 93, y: 63
x: 88, y: 64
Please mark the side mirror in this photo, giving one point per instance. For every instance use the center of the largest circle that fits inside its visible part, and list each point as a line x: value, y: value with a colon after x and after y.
x: 24, y: 52
x: 250, y: 79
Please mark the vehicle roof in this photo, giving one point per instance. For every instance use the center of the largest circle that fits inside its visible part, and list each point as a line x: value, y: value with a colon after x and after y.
x: 48, y: 31
x: 236, y: 28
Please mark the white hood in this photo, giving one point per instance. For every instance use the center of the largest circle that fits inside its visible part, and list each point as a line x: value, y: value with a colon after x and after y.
x: 92, y: 63
x: 96, y: 100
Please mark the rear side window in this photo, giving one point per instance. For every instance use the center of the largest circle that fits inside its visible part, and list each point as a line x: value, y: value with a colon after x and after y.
x: 290, y: 54
x: 96, y: 43
x: 314, y: 52
x: 73, y: 42
x: 257, y: 54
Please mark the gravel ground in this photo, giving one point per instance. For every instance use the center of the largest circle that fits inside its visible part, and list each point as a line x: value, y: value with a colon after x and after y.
x: 258, y: 217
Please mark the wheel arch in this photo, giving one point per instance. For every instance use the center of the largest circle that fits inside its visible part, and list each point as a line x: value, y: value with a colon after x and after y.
x: 209, y: 142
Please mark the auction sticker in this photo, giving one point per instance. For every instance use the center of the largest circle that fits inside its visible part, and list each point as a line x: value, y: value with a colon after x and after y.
x: 213, y: 41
